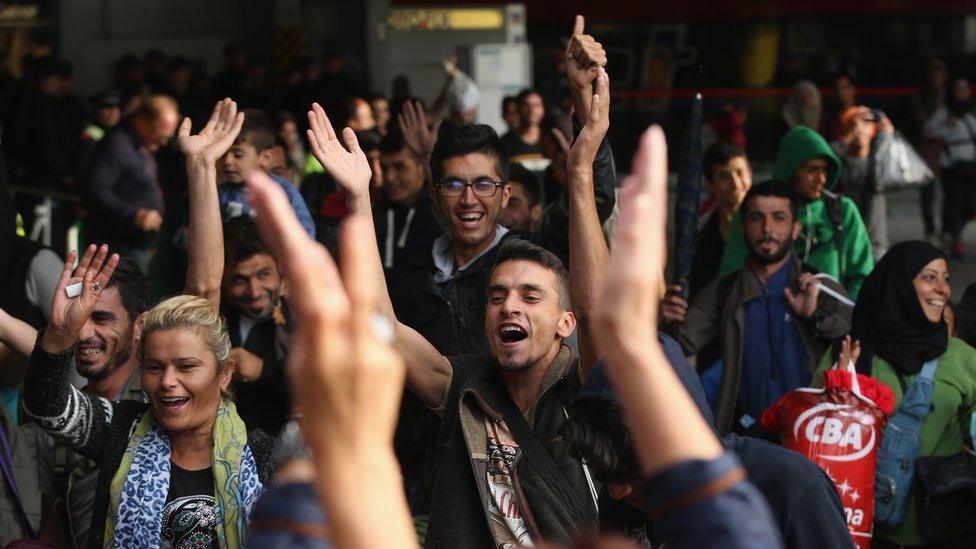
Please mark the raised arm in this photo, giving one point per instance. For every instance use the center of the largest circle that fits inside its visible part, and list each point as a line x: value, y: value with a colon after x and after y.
x: 80, y: 419
x: 428, y: 372
x: 583, y: 63
x: 17, y: 334
x: 587, y: 246
x: 697, y: 493
x: 205, y: 249
x: 346, y: 378
x: 418, y: 136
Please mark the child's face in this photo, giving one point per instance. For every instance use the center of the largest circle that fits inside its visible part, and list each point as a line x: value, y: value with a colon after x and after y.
x: 240, y: 161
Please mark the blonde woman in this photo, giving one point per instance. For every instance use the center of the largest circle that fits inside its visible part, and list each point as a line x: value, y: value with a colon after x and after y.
x: 178, y: 468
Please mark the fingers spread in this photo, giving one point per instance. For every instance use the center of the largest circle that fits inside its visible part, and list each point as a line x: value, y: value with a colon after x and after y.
x: 69, y: 264
x: 105, y: 274
x: 185, y: 126
x: 350, y: 139
x: 86, y: 260
x: 323, y: 121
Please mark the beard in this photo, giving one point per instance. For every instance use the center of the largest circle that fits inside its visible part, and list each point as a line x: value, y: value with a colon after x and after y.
x: 769, y: 259
x: 121, y: 355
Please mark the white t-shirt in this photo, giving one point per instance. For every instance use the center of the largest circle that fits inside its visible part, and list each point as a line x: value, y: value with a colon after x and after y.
x: 507, y: 522
x: 956, y: 134
x: 244, y: 327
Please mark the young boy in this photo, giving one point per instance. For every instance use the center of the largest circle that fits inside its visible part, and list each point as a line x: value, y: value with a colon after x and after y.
x: 253, y: 151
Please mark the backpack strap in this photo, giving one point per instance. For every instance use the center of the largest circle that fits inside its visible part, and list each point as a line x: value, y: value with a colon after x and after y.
x: 534, y: 451
x: 835, y: 213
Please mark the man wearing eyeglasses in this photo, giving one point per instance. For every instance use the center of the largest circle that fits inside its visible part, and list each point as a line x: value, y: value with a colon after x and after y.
x: 441, y: 294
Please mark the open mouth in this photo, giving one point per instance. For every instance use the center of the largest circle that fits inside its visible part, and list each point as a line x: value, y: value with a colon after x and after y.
x: 470, y: 220
x: 511, y: 333
x: 88, y: 353
x: 173, y: 403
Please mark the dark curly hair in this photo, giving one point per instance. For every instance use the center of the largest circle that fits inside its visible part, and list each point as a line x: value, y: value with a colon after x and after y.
x: 596, y: 433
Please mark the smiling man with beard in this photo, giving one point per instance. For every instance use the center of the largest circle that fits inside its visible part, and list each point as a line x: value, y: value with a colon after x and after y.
x: 774, y: 318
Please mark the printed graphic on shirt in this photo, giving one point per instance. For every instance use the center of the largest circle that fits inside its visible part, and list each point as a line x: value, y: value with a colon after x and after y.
x: 507, y: 522
x: 189, y: 517
x: 188, y: 523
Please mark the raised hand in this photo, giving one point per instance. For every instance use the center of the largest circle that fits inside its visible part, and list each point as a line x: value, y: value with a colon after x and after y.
x: 347, y: 165
x: 346, y: 378
x: 216, y: 137
x: 418, y: 137
x: 850, y: 351
x: 587, y: 143
x: 804, y: 302
x: 584, y: 55
x: 347, y: 381
x: 634, y: 280
x: 69, y: 314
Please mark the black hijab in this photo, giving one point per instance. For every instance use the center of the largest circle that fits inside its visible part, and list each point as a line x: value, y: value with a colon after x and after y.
x: 888, y: 319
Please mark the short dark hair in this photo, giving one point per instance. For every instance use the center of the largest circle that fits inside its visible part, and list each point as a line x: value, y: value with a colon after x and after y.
x: 468, y: 139
x: 242, y: 241
x: 773, y: 188
x: 369, y: 140
x: 508, y: 100
x: 346, y: 109
x: 392, y: 142
x: 595, y: 432
x: 525, y: 93
x: 518, y: 173
x: 133, y: 287
x: 258, y: 130
x: 720, y: 153
x: 517, y: 249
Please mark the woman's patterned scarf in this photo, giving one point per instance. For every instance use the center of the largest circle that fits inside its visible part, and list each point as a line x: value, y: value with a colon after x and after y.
x: 141, y: 483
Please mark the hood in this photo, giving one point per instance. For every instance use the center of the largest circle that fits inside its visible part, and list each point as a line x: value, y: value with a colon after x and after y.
x: 799, y: 145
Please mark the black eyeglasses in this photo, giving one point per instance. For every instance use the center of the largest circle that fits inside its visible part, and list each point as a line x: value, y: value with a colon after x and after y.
x: 484, y: 188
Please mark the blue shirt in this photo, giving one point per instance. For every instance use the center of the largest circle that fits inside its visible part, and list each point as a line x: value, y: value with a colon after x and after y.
x: 773, y: 357
x: 234, y: 204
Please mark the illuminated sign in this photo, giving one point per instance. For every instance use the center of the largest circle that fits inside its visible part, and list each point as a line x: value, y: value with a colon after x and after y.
x: 446, y: 19
x: 18, y: 12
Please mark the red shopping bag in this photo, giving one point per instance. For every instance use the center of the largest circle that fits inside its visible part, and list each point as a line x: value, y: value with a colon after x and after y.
x: 839, y: 428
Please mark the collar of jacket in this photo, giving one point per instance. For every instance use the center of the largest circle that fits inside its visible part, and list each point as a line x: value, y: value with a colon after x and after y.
x: 750, y: 287
x: 473, y: 403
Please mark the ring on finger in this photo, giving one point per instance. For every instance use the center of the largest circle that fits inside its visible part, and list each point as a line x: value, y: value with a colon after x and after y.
x: 382, y: 328
x: 96, y: 286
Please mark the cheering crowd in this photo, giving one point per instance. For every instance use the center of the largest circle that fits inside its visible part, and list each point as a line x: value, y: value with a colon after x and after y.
x: 403, y: 329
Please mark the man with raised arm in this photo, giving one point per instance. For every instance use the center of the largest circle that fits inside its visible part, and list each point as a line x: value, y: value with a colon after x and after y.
x: 441, y: 292
x: 500, y: 410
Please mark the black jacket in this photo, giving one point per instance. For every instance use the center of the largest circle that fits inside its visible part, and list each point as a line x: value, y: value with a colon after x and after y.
x: 122, y: 177
x: 458, y: 510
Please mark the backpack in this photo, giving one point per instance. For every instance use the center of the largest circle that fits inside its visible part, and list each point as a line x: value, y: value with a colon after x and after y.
x: 899, y: 449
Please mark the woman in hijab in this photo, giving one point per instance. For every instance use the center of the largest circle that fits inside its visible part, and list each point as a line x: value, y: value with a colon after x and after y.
x: 898, y: 320
x: 804, y: 106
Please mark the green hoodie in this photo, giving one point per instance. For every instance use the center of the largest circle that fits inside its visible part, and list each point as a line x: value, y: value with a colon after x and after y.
x: 815, y: 246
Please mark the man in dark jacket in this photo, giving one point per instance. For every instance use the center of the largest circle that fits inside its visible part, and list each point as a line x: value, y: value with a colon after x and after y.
x: 122, y: 191
x: 405, y: 222
x: 774, y: 317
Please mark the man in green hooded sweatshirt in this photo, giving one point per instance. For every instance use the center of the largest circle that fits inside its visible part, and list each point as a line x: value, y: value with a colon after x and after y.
x: 833, y: 239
